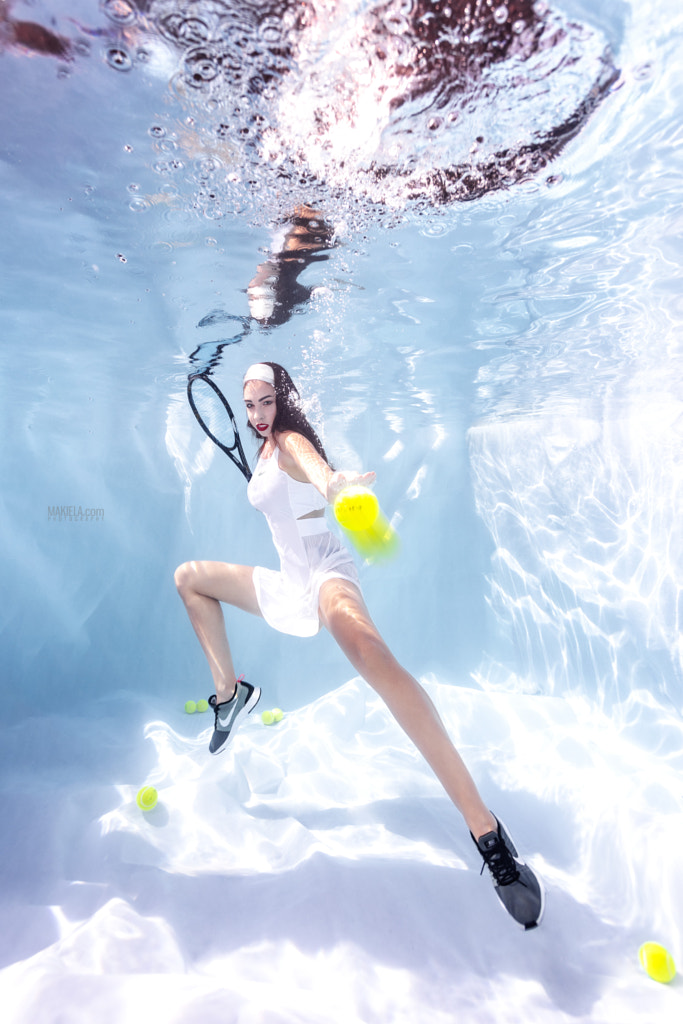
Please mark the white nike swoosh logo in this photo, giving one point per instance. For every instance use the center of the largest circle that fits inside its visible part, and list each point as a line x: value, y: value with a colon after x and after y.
x: 228, y: 719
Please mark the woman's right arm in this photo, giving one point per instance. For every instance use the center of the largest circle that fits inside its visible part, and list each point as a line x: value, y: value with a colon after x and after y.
x: 304, y: 463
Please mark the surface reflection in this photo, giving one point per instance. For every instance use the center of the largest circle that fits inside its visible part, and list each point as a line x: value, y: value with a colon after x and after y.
x: 391, y: 103
x: 275, y: 292
x: 31, y: 38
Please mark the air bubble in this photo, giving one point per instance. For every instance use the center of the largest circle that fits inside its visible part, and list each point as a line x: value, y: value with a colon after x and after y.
x: 500, y: 14
x: 133, y: 187
x: 118, y: 59
x: 642, y: 72
x: 435, y: 230
x: 270, y: 31
x: 121, y: 257
x: 518, y: 27
x: 138, y: 205
x: 121, y: 12
x: 434, y: 123
x: 209, y: 165
x: 157, y: 132
x: 187, y: 31
x: 201, y: 67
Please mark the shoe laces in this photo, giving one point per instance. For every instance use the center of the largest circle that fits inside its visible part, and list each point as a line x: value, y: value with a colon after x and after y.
x: 500, y: 863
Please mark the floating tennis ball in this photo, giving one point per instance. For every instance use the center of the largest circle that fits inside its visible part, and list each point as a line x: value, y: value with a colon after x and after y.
x: 356, y: 508
x: 147, y: 798
x: 267, y: 717
x: 657, y: 961
x: 277, y: 715
x: 357, y: 511
x: 202, y: 705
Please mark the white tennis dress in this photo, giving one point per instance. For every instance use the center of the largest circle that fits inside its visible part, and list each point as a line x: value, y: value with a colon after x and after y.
x: 309, y: 553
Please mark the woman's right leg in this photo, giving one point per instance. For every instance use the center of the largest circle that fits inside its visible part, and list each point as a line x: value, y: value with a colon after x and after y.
x: 345, y: 615
x: 202, y: 586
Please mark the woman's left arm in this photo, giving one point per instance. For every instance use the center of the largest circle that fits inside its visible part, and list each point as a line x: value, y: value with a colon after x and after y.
x: 303, y: 462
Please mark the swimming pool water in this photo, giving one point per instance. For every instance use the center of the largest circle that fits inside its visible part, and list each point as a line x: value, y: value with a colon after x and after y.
x: 511, y: 367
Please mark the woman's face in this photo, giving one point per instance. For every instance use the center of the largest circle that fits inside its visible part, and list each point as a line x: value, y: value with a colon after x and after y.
x: 259, y: 398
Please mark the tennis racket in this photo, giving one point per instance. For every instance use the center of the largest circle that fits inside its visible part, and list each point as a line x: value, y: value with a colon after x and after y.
x: 210, y: 406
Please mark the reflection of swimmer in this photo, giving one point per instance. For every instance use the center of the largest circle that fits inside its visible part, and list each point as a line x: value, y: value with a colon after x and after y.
x: 274, y: 292
x: 318, y: 585
x: 29, y: 37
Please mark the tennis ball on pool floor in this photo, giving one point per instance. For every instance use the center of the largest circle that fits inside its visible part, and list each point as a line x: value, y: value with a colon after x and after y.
x: 202, y: 705
x: 267, y: 717
x: 277, y: 715
x: 657, y: 961
x: 356, y: 508
x: 190, y: 707
x: 147, y: 798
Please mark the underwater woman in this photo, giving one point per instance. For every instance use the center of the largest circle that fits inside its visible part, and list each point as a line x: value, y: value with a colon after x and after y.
x: 317, y: 585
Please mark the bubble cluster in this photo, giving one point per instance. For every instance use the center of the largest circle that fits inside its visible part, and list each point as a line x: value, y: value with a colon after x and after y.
x: 392, y: 106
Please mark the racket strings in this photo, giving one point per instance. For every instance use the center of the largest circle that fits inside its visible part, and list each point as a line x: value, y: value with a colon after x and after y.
x: 214, y: 415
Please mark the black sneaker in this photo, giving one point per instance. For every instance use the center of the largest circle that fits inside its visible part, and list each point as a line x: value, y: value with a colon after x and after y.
x: 229, y: 712
x: 517, y: 887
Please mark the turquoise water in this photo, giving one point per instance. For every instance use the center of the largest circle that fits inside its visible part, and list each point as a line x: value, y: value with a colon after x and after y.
x: 511, y: 368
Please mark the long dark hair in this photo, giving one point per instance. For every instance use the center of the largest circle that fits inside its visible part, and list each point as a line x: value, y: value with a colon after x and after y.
x: 288, y: 415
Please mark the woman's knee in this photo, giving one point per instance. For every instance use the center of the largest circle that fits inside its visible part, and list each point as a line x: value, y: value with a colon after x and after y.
x: 182, y: 577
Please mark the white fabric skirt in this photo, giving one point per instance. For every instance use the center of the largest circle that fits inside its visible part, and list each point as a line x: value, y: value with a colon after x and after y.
x: 291, y: 608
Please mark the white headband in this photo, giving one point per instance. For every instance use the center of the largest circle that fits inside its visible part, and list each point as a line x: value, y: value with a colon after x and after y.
x: 260, y: 371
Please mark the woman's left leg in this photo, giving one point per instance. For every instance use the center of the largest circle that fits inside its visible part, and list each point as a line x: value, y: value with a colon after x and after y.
x: 345, y: 615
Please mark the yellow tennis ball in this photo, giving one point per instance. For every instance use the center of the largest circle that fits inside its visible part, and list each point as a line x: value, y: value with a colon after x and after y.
x: 657, y: 961
x: 202, y: 705
x: 267, y: 717
x: 277, y: 715
x: 356, y: 508
x: 190, y: 707
x: 147, y: 798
